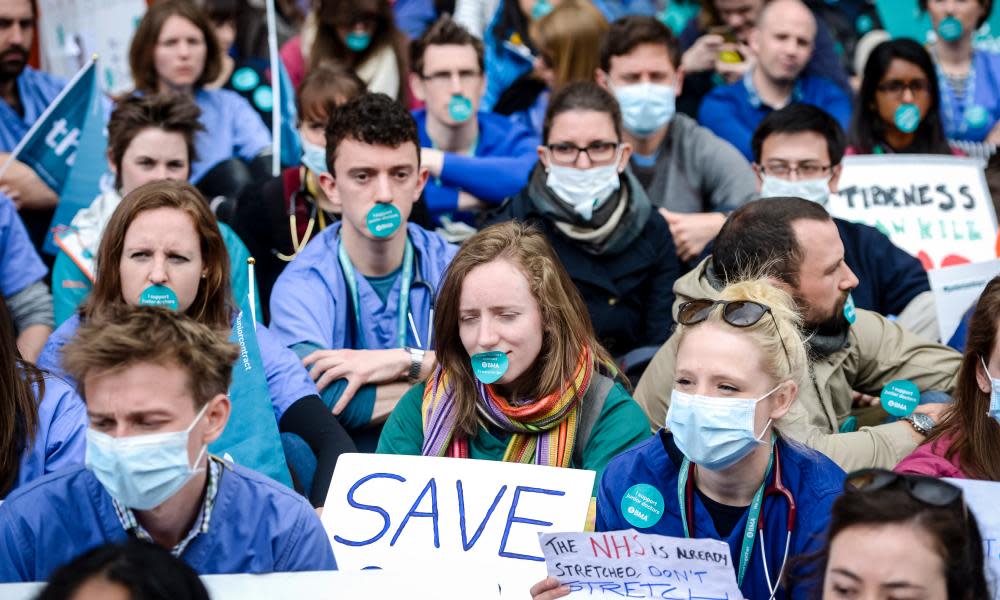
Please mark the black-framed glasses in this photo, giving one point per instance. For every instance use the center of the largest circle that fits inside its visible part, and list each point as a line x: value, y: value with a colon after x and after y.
x: 442, y: 78
x: 598, y: 152
x: 929, y: 490
x: 896, y: 87
x: 807, y: 170
x: 738, y: 313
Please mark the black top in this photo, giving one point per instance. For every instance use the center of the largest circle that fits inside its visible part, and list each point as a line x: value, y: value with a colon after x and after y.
x: 724, y: 517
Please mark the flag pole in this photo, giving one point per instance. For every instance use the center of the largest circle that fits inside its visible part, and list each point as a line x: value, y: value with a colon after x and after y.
x: 276, y: 100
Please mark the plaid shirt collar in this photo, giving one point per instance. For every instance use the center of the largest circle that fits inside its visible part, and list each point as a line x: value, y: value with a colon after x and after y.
x: 754, y: 97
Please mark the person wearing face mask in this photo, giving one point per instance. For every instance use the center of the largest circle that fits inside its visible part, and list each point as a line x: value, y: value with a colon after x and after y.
x: 615, y: 247
x: 521, y: 376
x: 797, y: 152
x: 691, y: 176
x: 155, y: 385
x: 967, y: 444
x: 721, y: 468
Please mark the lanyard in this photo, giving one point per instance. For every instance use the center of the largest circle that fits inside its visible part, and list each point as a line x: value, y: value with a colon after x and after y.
x: 404, y: 293
x: 955, y: 113
x: 749, y: 532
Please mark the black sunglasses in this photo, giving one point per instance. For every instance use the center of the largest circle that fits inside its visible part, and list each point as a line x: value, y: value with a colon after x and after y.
x: 738, y: 313
x: 928, y: 490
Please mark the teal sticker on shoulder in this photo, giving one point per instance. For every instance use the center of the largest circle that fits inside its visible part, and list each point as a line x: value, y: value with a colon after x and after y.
x: 950, y: 29
x: 158, y: 295
x: 489, y: 366
x: 900, y: 397
x: 263, y: 98
x: 459, y: 108
x: 245, y: 79
x: 907, y: 117
x: 383, y: 220
x: 850, y: 312
x: 642, y: 505
x: 976, y: 116
x: 863, y: 24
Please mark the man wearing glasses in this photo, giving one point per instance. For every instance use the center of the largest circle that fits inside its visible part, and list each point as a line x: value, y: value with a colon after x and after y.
x: 475, y: 159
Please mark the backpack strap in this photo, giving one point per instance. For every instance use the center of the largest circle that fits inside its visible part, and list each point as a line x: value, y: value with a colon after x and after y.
x: 590, y: 410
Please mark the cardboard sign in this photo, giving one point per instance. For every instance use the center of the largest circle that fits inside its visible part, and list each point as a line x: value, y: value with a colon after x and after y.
x: 937, y: 208
x: 630, y: 564
x: 956, y: 289
x: 981, y: 497
x: 445, y: 515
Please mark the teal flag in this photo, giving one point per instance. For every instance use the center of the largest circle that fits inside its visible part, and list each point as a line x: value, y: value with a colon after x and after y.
x: 251, y: 438
x: 291, y: 147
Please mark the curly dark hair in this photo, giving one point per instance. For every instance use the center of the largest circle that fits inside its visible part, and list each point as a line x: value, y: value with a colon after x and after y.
x: 374, y: 119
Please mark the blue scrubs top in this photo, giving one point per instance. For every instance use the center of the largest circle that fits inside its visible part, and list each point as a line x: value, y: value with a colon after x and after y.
x: 287, y: 379
x: 61, y: 436
x: 20, y: 265
x: 232, y: 129
x: 973, y: 118
x: 37, y: 90
x: 257, y: 526
x: 813, y: 480
x: 310, y: 302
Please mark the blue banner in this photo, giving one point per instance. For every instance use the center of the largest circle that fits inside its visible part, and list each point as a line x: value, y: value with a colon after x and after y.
x: 291, y: 148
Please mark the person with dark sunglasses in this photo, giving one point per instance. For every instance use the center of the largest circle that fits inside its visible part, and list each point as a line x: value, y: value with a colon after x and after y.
x: 722, y: 469
x: 901, y: 536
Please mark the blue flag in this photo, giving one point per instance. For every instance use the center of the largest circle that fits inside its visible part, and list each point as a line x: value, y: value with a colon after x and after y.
x: 251, y: 438
x: 291, y: 147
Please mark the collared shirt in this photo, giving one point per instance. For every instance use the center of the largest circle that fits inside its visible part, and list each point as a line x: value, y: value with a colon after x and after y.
x: 131, y: 525
x: 754, y: 97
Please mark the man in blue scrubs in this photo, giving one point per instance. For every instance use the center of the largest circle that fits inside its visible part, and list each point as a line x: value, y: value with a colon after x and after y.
x: 476, y: 159
x: 357, y: 303
x: 155, y: 386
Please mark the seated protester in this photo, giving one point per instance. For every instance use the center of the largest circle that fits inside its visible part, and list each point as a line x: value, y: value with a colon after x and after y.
x: 475, y: 159
x: 133, y: 569
x: 797, y: 152
x: 248, y: 76
x: 357, y: 303
x: 740, y: 363
x: 716, y: 51
x: 155, y: 385
x: 899, y: 104
x: 22, y: 283
x: 969, y: 79
x: 44, y: 423
x: 615, y: 247
x: 359, y: 35
x: 965, y: 443
x: 908, y: 534
x: 174, y: 49
x: 266, y: 214
x: 164, y: 246
x: 150, y: 138
x: 690, y: 175
x: 510, y: 52
x: 783, y: 40
x: 521, y: 376
x: 794, y: 242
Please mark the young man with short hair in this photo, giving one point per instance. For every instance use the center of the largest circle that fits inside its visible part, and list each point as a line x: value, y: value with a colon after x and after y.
x: 357, y: 303
x: 691, y: 175
x: 155, y: 385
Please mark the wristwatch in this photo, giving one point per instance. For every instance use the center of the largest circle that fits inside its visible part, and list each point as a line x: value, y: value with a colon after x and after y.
x: 416, y: 363
x: 923, y: 423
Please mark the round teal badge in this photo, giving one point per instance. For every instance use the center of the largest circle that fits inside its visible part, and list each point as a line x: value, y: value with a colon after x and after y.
x: 540, y: 8
x: 863, y: 24
x: 642, y: 505
x: 900, y: 397
x: 489, y: 366
x: 358, y: 41
x: 907, y: 117
x: 976, y: 116
x: 263, y: 98
x: 245, y: 79
x: 383, y: 220
x: 158, y: 295
x: 950, y: 29
x: 850, y: 312
x: 460, y: 108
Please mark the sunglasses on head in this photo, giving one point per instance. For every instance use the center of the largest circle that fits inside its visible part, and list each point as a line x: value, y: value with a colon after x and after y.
x: 929, y: 490
x: 738, y: 313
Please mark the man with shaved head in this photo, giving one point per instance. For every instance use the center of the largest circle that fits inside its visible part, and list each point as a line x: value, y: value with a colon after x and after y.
x: 782, y: 39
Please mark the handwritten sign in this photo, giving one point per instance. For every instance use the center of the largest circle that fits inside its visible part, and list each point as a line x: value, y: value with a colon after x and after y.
x: 981, y: 497
x: 444, y: 515
x: 937, y: 208
x: 956, y: 289
x: 640, y: 565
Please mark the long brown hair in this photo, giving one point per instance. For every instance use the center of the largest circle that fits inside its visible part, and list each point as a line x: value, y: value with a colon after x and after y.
x: 18, y: 406
x: 566, y: 325
x: 975, y: 435
x: 143, y: 47
x: 569, y: 39
x: 213, y: 305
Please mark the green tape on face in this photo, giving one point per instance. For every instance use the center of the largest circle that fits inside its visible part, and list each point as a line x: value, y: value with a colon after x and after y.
x: 849, y: 310
x: 158, y: 295
x: 900, y: 397
x: 642, y: 505
x: 907, y: 117
x: 489, y: 366
x: 950, y: 29
x: 459, y: 108
x: 383, y: 220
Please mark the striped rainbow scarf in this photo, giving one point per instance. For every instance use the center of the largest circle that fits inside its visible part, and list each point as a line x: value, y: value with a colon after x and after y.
x: 543, y: 432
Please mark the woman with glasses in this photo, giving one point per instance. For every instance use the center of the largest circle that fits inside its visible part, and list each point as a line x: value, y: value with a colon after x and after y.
x: 967, y: 442
x: 898, y: 108
x: 720, y: 469
x: 902, y: 536
x: 616, y: 248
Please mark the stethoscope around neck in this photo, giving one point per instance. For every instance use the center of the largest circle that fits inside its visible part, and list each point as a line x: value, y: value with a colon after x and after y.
x: 303, y: 191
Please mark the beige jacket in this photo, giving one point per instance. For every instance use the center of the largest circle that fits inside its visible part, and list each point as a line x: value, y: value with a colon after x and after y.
x: 876, y: 352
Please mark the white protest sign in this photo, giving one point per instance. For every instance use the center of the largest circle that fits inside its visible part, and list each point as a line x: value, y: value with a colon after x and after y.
x: 445, y: 515
x: 958, y: 288
x: 937, y: 208
x: 630, y: 564
x: 981, y: 497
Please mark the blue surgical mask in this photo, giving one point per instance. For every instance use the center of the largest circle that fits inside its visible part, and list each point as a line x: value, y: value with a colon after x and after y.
x: 142, y: 471
x: 646, y: 107
x: 314, y: 157
x: 714, y: 433
x: 816, y: 190
x: 585, y: 190
x: 994, y: 392
x: 358, y: 41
